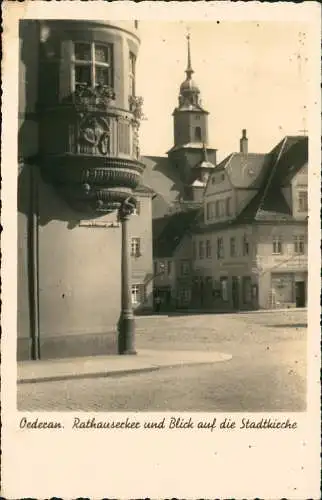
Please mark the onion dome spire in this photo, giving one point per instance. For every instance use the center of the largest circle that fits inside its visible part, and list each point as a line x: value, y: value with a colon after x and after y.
x: 189, y: 90
x: 189, y: 70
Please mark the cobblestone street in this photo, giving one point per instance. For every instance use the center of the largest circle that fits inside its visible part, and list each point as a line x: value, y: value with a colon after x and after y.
x: 267, y: 371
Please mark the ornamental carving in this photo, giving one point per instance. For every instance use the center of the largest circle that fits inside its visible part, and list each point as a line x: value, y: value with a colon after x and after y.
x: 136, y: 107
x: 87, y: 99
x: 95, y: 132
x: 87, y: 152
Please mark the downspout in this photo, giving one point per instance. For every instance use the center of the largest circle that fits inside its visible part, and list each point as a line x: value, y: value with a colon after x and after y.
x: 33, y: 264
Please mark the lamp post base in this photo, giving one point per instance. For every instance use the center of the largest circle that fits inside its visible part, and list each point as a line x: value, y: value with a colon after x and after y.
x: 126, y: 336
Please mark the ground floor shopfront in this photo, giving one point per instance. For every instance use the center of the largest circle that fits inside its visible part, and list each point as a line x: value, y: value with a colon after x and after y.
x: 280, y: 289
x: 269, y: 290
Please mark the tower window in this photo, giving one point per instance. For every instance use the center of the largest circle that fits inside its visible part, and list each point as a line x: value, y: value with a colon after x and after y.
x: 93, y: 64
x: 198, y: 134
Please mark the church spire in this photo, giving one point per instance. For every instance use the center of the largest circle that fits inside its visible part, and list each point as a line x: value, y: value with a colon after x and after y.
x: 189, y: 70
x: 189, y: 90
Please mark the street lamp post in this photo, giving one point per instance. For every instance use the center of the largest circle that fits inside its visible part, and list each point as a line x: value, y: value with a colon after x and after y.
x: 126, y: 333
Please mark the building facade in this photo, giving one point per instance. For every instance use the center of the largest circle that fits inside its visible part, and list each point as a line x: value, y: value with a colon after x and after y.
x: 250, y: 251
x: 172, y: 256
x: 79, y: 161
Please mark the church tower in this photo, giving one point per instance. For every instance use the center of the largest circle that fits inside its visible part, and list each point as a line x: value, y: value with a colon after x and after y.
x: 190, y: 121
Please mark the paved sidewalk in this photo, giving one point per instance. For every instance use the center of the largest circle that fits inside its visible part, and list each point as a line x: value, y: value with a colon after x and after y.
x: 187, y: 312
x: 111, y: 365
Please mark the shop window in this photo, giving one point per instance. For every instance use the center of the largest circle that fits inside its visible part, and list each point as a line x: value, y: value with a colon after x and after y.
x: 247, y: 289
x: 93, y: 64
x: 224, y: 288
x: 184, y: 295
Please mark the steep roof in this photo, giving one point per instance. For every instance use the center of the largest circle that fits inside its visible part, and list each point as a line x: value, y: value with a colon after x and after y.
x: 269, y: 203
x: 165, y: 181
x: 191, y: 145
x: 238, y: 166
x: 168, y: 231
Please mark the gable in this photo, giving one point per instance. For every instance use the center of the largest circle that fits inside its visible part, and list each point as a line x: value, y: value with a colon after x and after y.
x: 162, y: 178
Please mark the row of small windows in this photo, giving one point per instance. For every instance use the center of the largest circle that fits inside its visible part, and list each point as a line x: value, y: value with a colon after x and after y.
x: 219, y: 208
x: 165, y: 268
x: 205, y: 248
x: 94, y: 65
x: 298, y: 245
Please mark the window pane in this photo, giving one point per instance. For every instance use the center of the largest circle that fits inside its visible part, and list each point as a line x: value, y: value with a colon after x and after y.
x: 83, y: 74
x: 82, y: 51
x: 102, y: 76
x: 132, y: 63
x: 102, y: 54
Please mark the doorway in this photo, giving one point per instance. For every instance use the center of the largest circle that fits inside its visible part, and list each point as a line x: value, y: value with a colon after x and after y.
x: 235, y: 292
x: 300, y: 293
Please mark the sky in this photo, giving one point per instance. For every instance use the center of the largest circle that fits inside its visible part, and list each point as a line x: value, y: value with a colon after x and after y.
x: 251, y: 75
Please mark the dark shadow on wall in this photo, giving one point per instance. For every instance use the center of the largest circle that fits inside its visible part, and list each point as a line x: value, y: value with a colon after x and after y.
x: 36, y: 197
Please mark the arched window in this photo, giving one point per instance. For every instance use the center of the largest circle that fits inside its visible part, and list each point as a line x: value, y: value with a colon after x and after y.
x: 198, y: 134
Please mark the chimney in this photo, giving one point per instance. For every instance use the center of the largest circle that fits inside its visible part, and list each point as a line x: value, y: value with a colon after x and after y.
x: 244, y: 142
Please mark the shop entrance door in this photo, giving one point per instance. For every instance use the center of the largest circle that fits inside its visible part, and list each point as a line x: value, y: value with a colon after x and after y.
x: 300, y: 293
x: 235, y: 292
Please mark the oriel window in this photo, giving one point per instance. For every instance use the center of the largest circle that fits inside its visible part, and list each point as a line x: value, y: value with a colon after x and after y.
x: 93, y: 64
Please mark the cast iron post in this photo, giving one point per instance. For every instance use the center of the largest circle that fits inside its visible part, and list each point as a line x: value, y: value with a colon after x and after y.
x: 126, y: 335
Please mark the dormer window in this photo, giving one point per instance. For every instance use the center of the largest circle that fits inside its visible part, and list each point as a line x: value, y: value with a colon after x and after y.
x: 93, y: 64
x: 302, y: 201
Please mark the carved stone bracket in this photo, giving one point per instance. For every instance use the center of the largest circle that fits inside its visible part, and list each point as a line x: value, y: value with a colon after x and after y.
x: 127, y: 208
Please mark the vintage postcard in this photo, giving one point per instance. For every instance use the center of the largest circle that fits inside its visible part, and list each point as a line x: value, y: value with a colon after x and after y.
x: 161, y: 250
